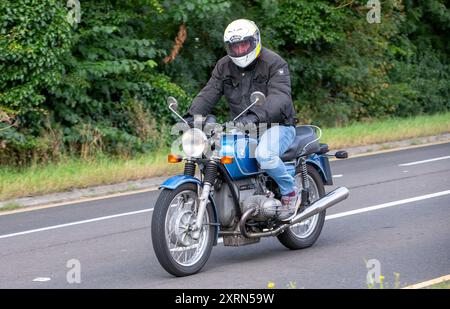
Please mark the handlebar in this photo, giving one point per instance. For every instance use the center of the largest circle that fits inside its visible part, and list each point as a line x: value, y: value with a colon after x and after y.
x: 209, y: 122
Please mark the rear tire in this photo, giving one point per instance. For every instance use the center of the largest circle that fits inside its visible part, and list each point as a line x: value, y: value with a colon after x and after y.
x: 289, y: 238
x: 162, y: 239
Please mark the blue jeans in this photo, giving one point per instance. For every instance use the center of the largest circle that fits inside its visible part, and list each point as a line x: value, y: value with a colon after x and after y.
x: 273, y: 143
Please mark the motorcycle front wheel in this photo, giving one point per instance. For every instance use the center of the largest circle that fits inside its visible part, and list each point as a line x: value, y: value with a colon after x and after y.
x: 174, y: 216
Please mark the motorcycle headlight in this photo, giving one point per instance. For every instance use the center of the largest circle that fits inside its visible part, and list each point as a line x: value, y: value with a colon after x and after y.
x: 194, y: 142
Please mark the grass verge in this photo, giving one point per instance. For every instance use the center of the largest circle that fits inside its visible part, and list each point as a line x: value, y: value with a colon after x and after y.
x: 440, y: 286
x: 76, y: 173
x: 389, y: 130
x: 10, y: 206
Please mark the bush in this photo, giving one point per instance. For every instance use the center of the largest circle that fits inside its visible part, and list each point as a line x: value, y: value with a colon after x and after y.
x: 83, y: 82
x: 101, y: 85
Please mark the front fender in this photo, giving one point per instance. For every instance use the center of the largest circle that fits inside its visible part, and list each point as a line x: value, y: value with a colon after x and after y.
x: 176, y: 181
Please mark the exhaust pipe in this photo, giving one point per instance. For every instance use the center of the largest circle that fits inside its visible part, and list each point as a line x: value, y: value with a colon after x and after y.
x: 330, y: 199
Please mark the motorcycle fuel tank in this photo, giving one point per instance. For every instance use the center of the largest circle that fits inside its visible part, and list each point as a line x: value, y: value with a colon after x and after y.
x: 242, y: 148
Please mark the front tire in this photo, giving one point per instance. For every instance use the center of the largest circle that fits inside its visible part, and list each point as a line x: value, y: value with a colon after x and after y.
x: 173, y: 215
x: 294, y: 237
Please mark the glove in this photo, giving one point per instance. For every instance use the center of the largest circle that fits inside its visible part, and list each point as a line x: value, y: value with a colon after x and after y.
x: 189, y: 119
x: 209, y: 125
x: 248, y: 118
x: 210, y: 119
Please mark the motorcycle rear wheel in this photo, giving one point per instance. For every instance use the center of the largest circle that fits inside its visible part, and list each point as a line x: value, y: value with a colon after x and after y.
x: 305, y: 233
x: 173, y: 216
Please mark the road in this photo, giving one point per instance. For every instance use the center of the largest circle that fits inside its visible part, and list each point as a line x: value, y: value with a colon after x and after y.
x: 407, y: 232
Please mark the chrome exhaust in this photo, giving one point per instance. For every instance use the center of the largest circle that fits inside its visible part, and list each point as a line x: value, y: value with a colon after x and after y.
x: 330, y: 199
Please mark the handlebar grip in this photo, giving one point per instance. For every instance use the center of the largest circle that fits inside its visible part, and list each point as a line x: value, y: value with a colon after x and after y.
x: 210, y: 119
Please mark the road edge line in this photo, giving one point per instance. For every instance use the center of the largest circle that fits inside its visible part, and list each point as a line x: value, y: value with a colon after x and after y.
x: 373, y: 153
x: 77, y: 201
x: 424, y: 284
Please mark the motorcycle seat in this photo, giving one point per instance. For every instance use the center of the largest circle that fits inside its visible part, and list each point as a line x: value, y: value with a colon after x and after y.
x: 304, y: 135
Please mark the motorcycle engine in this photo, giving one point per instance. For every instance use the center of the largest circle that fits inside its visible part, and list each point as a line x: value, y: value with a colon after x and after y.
x: 266, y: 207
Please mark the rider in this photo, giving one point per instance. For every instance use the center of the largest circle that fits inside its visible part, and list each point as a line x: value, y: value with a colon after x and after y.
x: 249, y: 67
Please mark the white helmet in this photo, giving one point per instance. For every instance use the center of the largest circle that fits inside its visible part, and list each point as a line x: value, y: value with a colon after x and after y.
x: 242, y: 42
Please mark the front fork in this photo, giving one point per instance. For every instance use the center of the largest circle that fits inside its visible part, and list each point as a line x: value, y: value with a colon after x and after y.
x: 210, y: 177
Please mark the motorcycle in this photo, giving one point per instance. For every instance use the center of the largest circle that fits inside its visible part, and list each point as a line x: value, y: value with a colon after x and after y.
x: 233, y: 199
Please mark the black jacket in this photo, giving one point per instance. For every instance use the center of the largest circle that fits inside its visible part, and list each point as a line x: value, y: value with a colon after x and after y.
x: 268, y: 73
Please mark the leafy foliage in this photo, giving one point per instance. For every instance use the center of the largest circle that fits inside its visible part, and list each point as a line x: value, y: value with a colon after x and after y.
x: 34, y: 36
x: 100, y: 85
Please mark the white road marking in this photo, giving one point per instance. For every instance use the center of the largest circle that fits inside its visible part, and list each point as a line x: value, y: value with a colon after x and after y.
x: 386, y: 205
x: 424, y: 161
x: 338, y: 176
x: 330, y: 217
x: 41, y: 279
x: 76, y: 223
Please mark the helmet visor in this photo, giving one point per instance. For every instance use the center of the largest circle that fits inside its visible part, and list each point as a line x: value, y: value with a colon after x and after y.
x: 240, y: 48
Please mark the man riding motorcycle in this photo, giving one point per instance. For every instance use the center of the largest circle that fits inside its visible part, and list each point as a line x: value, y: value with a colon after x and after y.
x: 249, y: 67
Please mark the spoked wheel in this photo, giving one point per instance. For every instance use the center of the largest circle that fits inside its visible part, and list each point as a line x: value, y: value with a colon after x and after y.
x: 173, y: 220
x: 305, y: 233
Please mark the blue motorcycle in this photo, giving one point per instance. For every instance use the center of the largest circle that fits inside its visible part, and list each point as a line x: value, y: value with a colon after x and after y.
x: 232, y: 200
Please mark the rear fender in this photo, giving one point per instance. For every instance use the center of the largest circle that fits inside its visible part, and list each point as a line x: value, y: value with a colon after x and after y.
x: 322, y: 165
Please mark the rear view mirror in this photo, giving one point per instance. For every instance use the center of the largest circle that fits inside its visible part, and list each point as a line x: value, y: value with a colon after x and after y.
x: 258, y: 98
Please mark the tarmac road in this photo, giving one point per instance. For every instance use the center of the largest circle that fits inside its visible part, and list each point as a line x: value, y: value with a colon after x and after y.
x: 397, y: 215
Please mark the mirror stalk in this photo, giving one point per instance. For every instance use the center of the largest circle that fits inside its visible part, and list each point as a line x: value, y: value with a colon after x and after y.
x: 172, y: 101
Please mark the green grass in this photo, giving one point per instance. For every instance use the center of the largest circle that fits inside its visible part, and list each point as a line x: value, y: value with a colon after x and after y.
x: 10, y: 206
x: 382, y: 131
x: 77, y: 173
x: 443, y: 285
